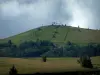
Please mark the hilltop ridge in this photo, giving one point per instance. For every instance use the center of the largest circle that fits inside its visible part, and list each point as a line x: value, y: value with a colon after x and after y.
x: 58, y: 34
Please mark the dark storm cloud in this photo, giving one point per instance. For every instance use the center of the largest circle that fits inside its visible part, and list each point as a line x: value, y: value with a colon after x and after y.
x: 17, y: 16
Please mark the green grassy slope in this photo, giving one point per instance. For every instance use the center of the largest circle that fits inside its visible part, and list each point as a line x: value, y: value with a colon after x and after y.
x: 64, y: 34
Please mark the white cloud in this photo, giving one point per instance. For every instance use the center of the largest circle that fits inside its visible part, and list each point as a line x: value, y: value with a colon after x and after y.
x: 80, y: 15
x: 15, y: 9
x: 21, y: 15
x: 10, y: 9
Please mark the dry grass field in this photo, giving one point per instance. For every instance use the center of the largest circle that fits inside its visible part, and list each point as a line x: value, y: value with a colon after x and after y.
x: 33, y: 65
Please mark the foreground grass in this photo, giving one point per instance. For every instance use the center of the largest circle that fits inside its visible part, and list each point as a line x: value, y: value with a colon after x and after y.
x: 33, y: 65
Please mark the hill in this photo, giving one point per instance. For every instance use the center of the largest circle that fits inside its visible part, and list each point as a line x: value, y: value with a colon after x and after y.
x: 52, y: 41
x: 58, y: 34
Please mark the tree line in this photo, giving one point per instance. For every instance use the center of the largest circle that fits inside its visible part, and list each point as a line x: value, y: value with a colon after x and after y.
x: 47, y: 48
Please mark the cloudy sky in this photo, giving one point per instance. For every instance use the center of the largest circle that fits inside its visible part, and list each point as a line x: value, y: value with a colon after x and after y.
x: 17, y: 16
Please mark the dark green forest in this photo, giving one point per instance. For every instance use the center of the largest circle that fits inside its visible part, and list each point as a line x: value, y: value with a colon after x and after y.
x: 48, y: 48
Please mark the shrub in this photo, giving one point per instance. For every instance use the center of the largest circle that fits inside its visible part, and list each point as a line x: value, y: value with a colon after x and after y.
x: 39, y: 29
x: 55, y: 32
x: 54, y: 36
x: 9, y: 43
x: 79, y: 29
x: 69, y: 43
x: 85, y: 61
x: 44, y: 58
x: 78, y: 61
x: 13, y: 71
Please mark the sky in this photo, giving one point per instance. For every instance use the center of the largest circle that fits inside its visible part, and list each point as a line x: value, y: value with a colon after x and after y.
x: 18, y: 16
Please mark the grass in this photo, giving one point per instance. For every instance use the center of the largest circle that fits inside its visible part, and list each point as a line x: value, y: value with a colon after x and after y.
x: 33, y: 65
x: 73, y: 34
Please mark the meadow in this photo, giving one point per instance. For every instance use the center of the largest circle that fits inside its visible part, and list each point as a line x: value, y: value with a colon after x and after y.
x: 33, y: 65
